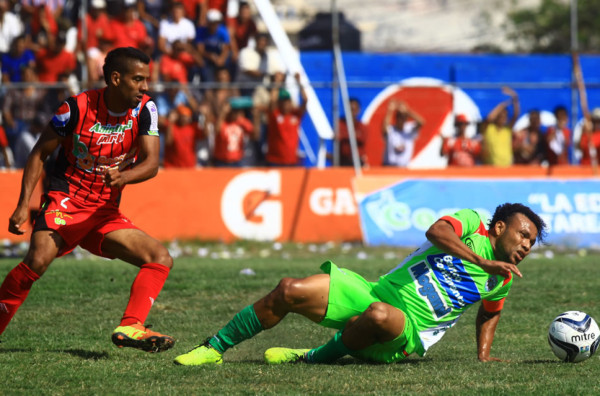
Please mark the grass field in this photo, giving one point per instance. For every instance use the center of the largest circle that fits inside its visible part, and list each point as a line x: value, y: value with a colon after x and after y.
x: 59, y: 342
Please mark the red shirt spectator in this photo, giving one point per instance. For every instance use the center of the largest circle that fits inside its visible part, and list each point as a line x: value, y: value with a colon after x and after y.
x: 589, y: 143
x: 284, y: 126
x: 229, y: 142
x: 52, y: 62
x: 193, y: 9
x: 173, y: 69
x: 180, y: 141
x: 98, y: 25
x: 242, y: 27
x: 283, y: 137
x: 129, y: 31
x: 461, y: 150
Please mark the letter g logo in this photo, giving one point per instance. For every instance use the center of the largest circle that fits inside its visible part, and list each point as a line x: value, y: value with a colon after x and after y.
x: 248, y: 208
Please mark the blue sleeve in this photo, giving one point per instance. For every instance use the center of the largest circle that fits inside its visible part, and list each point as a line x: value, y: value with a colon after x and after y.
x: 224, y: 34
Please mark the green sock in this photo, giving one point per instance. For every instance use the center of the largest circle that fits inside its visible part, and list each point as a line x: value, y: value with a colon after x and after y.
x: 333, y: 350
x: 244, y: 325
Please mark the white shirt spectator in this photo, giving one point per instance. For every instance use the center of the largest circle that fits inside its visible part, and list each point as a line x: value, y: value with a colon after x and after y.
x: 10, y: 28
x: 401, y: 144
x: 172, y: 31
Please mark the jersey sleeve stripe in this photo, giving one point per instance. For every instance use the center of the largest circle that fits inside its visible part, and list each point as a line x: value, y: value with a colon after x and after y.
x: 456, y: 224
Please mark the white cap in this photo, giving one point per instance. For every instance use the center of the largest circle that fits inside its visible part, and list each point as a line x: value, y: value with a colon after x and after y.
x: 99, y: 3
x: 214, y: 15
x: 596, y: 113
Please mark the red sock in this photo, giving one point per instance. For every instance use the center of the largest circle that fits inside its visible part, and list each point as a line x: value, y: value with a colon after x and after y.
x: 14, y: 291
x: 144, y: 290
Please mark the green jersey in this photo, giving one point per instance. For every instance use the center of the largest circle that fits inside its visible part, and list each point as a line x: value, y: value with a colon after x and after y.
x: 436, y: 288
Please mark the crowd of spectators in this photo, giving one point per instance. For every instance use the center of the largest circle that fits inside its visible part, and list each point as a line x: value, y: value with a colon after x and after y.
x: 242, y: 103
x: 243, y: 115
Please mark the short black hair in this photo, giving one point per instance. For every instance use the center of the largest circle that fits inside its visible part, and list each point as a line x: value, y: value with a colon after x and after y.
x: 507, y: 210
x: 119, y: 58
x: 560, y: 108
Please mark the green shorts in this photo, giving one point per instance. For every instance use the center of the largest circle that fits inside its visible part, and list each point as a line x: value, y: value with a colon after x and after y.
x: 350, y: 295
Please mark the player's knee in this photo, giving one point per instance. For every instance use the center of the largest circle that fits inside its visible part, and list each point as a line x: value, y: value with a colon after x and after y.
x: 37, y: 264
x: 287, y: 291
x: 162, y: 256
x: 378, y: 314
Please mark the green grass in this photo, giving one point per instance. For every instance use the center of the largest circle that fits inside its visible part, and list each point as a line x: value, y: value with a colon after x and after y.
x: 59, y: 341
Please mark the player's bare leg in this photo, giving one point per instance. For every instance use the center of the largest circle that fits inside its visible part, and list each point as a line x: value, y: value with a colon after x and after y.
x: 137, y: 248
x: 379, y: 323
x: 308, y: 297
x: 43, y: 248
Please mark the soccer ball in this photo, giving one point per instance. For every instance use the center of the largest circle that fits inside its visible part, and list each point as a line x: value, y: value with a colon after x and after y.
x: 573, y: 336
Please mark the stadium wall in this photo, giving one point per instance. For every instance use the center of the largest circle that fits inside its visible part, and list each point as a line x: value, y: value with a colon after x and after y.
x: 320, y: 205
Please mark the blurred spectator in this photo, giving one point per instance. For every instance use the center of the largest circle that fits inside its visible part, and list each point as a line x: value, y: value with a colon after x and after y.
x: 180, y: 140
x: 53, y: 61
x: 529, y: 144
x: 497, y: 131
x: 27, y: 140
x: 231, y: 130
x: 95, y: 59
x: 361, y: 137
x: 461, y: 150
x: 97, y: 25
x: 401, y: 134
x: 558, y: 138
x: 257, y: 64
x: 40, y: 20
x: 20, y: 106
x: 150, y: 13
x: 241, y: 29
x: 589, y: 143
x: 10, y: 26
x: 283, y: 130
x: 194, y: 9
x: 219, y: 5
x: 175, y: 28
x: 173, y: 66
x: 16, y: 60
x: 6, y: 157
x: 127, y: 30
x: 220, y: 96
x: 212, y: 43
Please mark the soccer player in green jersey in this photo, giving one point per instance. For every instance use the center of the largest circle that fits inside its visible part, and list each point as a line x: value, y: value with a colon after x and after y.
x: 408, y: 309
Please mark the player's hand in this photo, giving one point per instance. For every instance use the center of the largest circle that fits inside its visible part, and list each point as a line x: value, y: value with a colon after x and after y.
x: 17, y: 220
x: 495, y: 267
x: 113, y: 178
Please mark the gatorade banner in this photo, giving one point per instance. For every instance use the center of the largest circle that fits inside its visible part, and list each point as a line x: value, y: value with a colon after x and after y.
x: 400, y: 214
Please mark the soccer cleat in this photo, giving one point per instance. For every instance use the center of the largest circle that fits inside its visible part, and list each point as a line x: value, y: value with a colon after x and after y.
x: 285, y: 355
x: 141, y: 337
x: 200, y: 354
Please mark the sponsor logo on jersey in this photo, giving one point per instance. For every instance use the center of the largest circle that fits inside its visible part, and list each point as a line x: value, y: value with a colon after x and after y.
x: 454, y: 279
x: 110, y: 134
x: 59, y: 217
x: 491, y: 283
x: 62, y: 116
x: 428, y: 289
x: 469, y: 242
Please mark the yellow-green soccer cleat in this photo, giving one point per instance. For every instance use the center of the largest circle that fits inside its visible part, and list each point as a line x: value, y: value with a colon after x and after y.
x: 141, y: 337
x: 285, y: 355
x: 200, y: 354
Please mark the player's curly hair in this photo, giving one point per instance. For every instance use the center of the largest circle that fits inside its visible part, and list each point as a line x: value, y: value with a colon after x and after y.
x: 505, y: 211
x: 119, y: 58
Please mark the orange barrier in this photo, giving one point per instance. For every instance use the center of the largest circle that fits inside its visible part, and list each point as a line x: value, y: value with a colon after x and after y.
x: 279, y: 204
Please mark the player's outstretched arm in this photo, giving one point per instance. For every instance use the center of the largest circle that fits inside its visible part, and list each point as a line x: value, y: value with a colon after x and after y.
x: 485, y: 327
x: 443, y: 236
x: 46, y: 144
x: 146, y: 166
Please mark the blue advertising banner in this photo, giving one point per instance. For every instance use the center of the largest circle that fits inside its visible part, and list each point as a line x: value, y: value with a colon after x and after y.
x: 400, y: 214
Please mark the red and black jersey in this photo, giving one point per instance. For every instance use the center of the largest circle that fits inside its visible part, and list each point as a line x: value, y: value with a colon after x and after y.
x: 97, y: 139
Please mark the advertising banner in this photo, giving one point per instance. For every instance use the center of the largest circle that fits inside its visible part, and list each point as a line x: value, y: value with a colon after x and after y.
x: 400, y: 214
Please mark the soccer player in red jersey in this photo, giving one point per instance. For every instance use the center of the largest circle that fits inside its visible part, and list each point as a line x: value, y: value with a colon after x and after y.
x: 101, y: 134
